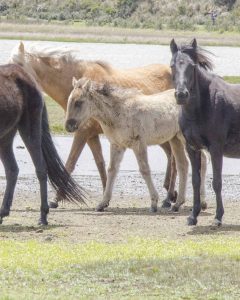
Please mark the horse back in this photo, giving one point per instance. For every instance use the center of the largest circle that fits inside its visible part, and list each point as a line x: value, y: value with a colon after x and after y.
x: 18, y: 94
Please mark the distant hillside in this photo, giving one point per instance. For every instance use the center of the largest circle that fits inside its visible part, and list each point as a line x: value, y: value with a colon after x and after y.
x: 178, y: 14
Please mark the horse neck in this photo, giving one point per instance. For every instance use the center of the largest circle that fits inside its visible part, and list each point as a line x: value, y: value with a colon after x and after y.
x: 57, y: 83
x: 198, y: 94
x: 103, y: 109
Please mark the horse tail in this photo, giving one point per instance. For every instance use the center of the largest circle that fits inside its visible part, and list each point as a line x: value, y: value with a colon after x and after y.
x: 59, y: 178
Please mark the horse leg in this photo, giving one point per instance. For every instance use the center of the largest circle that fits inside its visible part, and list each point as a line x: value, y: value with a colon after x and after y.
x: 11, y: 171
x: 203, y: 179
x: 182, y: 169
x: 116, y: 155
x: 142, y: 159
x: 79, y: 141
x: 195, y: 158
x: 217, y: 160
x: 31, y: 136
x: 171, y: 174
x: 96, y: 148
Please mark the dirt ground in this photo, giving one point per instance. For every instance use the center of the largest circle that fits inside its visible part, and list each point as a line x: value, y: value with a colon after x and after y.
x: 128, y: 215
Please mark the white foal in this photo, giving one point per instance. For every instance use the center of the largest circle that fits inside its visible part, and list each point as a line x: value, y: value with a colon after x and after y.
x: 130, y: 119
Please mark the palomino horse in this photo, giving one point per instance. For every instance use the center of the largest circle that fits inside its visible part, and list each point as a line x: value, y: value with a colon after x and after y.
x: 54, y: 69
x: 22, y: 109
x: 210, y: 117
x: 133, y: 120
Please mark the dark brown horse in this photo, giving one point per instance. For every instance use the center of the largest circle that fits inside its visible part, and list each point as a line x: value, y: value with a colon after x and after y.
x: 210, y: 117
x: 22, y: 109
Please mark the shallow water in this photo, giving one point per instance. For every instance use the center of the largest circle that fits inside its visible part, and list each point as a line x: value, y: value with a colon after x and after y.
x: 226, y: 59
x: 86, y: 164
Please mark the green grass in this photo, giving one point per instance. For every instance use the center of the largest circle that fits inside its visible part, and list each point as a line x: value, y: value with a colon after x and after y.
x: 56, y: 116
x: 232, y: 79
x: 138, y: 269
x: 80, y: 33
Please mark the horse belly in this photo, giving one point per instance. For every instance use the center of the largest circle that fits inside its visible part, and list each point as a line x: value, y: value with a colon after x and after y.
x: 232, y: 147
x: 161, y: 132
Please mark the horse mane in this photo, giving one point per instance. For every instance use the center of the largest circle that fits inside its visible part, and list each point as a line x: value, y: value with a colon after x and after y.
x: 107, y: 89
x: 64, y: 54
x: 198, y: 55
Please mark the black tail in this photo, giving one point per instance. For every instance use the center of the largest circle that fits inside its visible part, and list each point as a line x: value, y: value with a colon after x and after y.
x: 58, y: 176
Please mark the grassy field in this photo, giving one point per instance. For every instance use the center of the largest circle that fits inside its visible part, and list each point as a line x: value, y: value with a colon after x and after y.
x: 137, y: 269
x: 79, y: 33
x: 56, y: 113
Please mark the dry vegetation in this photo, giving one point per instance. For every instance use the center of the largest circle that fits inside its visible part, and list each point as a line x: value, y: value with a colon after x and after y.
x: 162, y: 14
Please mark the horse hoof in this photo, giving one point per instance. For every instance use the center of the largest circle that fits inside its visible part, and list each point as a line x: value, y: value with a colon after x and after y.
x: 175, y: 208
x: 53, y: 204
x: 1, y: 220
x: 42, y: 222
x: 100, y: 208
x: 191, y: 221
x: 204, y: 205
x: 216, y: 223
x: 166, y: 204
x: 153, y: 209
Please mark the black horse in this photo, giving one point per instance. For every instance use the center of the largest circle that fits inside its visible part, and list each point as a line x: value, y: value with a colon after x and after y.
x: 210, y: 117
x: 22, y: 108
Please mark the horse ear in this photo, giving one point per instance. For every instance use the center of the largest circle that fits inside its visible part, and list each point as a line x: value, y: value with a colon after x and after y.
x: 74, y: 82
x: 86, y: 85
x: 194, y: 43
x: 173, y: 46
x: 105, y: 89
x: 21, y: 47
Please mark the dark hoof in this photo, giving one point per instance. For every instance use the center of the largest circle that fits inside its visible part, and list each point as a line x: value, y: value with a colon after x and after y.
x: 100, y: 208
x: 53, y: 204
x: 42, y: 222
x: 216, y: 223
x: 191, y: 221
x: 1, y: 220
x: 166, y: 204
x: 204, y: 205
x: 153, y: 209
x: 175, y: 208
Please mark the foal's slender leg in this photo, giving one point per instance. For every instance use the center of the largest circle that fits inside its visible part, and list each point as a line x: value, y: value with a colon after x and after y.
x: 142, y: 158
x: 195, y: 158
x: 11, y: 171
x: 116, y: 155
x: 178, y: 150
x: 171, y: 174
x: 217, y: 160
x: 96, y: 148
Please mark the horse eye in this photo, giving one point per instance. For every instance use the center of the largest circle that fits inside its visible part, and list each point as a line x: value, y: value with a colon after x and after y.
x: 78, y: 104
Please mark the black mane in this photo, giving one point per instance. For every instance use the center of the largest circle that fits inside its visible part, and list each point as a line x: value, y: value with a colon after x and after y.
x: 199, y: 55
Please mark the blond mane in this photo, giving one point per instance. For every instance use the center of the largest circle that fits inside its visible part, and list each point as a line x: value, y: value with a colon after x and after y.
x: 63, y: 54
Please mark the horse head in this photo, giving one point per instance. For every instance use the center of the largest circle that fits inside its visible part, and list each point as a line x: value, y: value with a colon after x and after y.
x: 78, y: 110
x: 186, y: 59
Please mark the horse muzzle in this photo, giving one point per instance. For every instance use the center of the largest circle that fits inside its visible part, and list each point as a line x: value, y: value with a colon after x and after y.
x: 182, y: 96
x: 71, y: 125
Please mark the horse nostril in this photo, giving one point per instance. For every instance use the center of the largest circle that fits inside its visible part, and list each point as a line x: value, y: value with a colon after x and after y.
x: 71, y: 125
x: 182, y: 94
